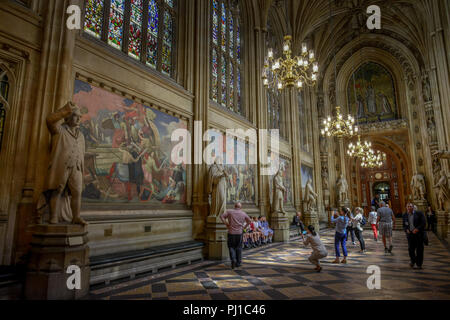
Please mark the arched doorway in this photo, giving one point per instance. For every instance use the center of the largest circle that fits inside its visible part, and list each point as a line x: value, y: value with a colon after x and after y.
x: 390, y: 181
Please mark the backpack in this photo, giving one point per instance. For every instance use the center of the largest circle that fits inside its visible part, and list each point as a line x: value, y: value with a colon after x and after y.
x: 363, y: 221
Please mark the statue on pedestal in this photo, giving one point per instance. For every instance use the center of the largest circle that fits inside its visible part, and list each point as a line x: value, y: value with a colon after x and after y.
x: 310, y: 196
x: 342, y: 187
x: 217, y: 184
x: 418, y: 186
x: 65, y: 171
x: 278, y: 193
x: 325, y: 177
x: 443, y: 192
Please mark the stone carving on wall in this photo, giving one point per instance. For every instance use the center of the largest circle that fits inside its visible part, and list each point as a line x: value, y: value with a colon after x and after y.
x: 342, y: 187
x: 323, y: 144
x: 325, y: 183
x: 217, y: 187
x: 426, y: 89
x: 432, y: 136
x: 278, y: 192
x: 310, y: 197
x: 383, y: 126
x: 65, y: 172
x: 418, y: 186
x: 320, y: 106
x: 442, y: 190
x: 436, y: 168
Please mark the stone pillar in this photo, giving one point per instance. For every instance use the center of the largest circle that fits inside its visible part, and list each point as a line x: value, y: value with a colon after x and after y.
x: 442, y: 224
x: 53, y: 249
x: 280, y: 226
x: 216, y: 239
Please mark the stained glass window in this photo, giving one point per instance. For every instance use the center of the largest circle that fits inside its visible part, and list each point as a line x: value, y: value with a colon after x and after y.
x: 94, y: 17
x: 4, y: 91
x: 143, y: 29
x: 134, y: 46
x: 225, y: 55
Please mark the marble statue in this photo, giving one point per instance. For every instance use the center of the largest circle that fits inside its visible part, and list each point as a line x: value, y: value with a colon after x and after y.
x: 342, y: 186
x: 278, y: 192
x: 310, y: 196
x: 325, y: 177
x: 418, y: 186
x: 65, y: 171
x: 426, y: 90
x: 443, y: 192
x: 432, y: 136
x: 217, y: 187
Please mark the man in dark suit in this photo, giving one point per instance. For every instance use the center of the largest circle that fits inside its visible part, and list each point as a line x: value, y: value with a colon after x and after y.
x: 414, y: 223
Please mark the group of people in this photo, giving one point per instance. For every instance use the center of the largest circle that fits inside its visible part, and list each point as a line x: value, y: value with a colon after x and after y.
x: 382, y: 222
x: 257, y: 233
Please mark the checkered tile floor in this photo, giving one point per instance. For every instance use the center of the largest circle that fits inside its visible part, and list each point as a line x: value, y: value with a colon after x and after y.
x: 281, y: 271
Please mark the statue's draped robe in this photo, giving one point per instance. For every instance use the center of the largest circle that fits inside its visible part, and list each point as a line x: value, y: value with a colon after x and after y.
x: 278, y: 195
x: 217, y: 187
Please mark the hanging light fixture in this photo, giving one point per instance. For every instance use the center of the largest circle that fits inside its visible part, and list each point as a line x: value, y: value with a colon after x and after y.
x: 373, y: 159
x: 290, y: 71
x: 338, y: 127
x: 359, y: 149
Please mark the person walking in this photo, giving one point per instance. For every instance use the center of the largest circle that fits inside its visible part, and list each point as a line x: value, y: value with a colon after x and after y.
x: 319, y: 250
x: 373, y: 223
x: 357, y: 226
x: 340, y: 236
x: 235, y: 220
x: 386, y: 222
x: 414, y: 226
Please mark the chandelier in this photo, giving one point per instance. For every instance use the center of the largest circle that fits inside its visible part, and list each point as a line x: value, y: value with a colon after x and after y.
x: 359, y: 149
x: 290, y: 71
x: 373, y: 160
x: 339, y: 127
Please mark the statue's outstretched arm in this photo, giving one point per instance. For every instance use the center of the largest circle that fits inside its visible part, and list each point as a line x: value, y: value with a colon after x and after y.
x: 54, y: 117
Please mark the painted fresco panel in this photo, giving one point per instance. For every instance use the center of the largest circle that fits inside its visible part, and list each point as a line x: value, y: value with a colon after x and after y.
x: 128, y: 150
x: 374, y: 93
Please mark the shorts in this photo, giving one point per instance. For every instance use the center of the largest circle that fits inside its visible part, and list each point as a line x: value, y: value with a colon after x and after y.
x: 385, y: 229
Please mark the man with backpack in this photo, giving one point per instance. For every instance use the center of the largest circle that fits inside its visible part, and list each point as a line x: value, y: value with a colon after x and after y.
x: 358, y: 222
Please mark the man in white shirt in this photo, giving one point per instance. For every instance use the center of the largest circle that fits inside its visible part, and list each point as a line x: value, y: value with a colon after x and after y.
x: 373, y: 222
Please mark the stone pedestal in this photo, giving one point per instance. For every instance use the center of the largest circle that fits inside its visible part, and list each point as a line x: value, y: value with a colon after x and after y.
x: 422, y: 205
x: 312, y: 218
x: 345, y: 204
x: 442, y: 224
x: 217, y: 234
x: 280, y: 225
x: 53, y: 249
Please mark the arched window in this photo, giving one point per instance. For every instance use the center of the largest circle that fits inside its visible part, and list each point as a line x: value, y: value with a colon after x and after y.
x: 274, y: 98
x: 4, y: 90
x: 142, y: 29
x: 225, y: 67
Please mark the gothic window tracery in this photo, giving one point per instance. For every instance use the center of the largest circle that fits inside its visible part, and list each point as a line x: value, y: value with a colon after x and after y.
x: 142, y: 29
x: 226, y: 69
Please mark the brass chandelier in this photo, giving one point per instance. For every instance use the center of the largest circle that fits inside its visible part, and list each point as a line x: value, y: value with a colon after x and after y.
x: 290, y: 71
x: 359, y: 149
x: 339, y: 127
x: 373, y: 160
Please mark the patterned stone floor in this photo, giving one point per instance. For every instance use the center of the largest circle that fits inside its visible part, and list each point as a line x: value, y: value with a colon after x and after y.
x: 281, y: 271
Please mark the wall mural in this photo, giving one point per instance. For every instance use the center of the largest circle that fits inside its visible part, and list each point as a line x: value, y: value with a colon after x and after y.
x: 128, y: 150
x: 236, y: 161
x: 375, y: 94
x: 285, y: 163
x: 307, y: 173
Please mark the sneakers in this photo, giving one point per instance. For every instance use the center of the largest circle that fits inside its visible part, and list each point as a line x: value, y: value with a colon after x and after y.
x: 354, y: 243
